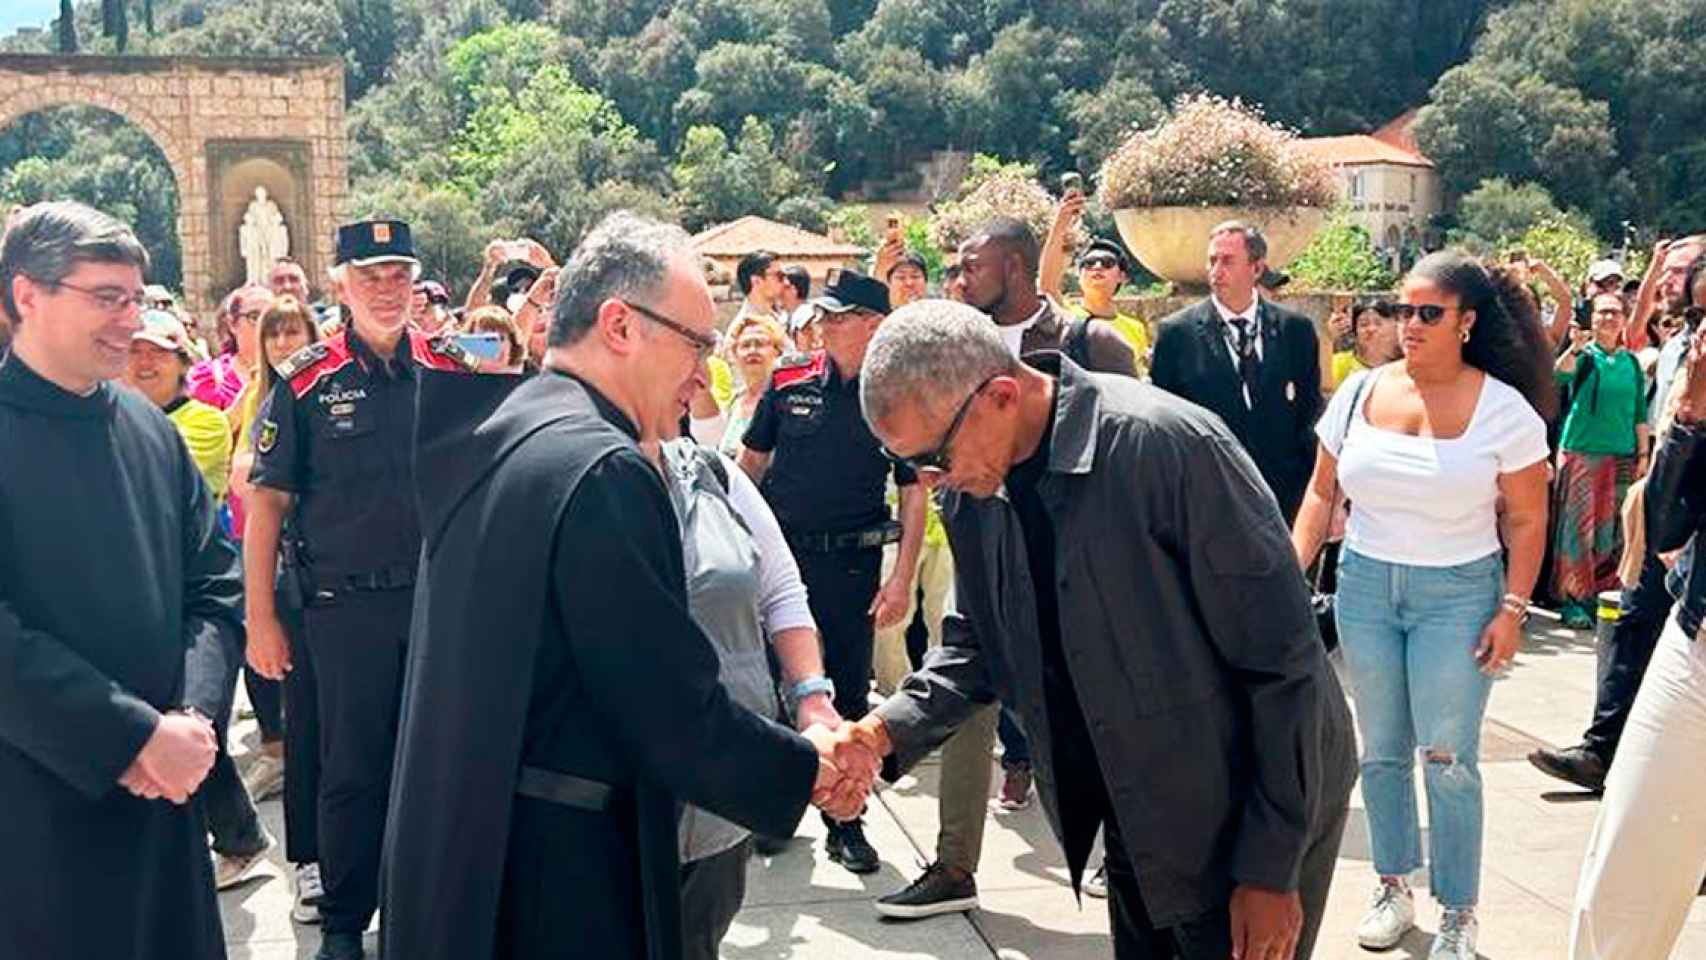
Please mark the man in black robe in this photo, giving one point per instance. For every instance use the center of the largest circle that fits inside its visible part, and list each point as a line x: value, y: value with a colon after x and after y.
x: 560, y: 703
x: 119, y: 600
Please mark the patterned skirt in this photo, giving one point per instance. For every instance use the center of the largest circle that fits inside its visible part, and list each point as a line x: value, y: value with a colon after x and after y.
x: 1587, y: 539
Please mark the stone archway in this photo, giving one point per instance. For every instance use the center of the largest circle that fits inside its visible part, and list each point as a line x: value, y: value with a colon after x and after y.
x: 213, y: 118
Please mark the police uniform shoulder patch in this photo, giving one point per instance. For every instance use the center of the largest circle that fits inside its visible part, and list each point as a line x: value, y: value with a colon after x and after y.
x: 267, y: 438
x: 302, y: 359
x: 800, y: 368
x: 442, y: 353
x: 320, y: 360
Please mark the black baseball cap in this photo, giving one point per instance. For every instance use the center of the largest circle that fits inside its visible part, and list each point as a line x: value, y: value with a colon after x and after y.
x: 850, y: 289
x: 376, y: 241
x: 1105, y: 245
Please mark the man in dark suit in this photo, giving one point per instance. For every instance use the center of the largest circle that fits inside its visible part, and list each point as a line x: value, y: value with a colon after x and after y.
x: 1251, y: 361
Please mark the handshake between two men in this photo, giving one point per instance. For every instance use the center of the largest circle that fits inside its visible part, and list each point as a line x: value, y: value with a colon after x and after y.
x: 849, y: 757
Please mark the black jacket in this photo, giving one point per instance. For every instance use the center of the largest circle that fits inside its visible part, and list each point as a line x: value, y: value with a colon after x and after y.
x: 1221, y: 732
x: 551, y: 632
x: 1191, y: 359
x: 1676, y: 512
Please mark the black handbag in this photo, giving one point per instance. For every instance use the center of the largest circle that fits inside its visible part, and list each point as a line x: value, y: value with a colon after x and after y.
x: 1320, y: 601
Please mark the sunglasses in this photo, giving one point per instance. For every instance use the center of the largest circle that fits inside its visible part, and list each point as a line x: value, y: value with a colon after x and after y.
x: 1430, y: 313
x: 937, y: 459
x: 1098, y: 262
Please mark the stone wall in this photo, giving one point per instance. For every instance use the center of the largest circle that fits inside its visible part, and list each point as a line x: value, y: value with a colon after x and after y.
x: 183, y: 104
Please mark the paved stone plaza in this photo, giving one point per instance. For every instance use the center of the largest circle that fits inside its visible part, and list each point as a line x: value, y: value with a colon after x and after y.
x: 801, y: 907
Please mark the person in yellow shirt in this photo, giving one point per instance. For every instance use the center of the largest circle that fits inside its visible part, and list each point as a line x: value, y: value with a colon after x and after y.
x: 160, y: 358
x: 1374, y: 341
x: 1102, y: 270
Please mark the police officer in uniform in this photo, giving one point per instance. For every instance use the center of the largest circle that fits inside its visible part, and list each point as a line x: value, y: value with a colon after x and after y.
x: 332, y: 454
x: 824, y: 474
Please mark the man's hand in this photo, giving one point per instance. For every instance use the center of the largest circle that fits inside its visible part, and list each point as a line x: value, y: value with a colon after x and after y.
x: 1499, y: 642
x: 1266, y: 924
x: 175, y: 759
x: 1580, y: 337
x: 816, y: 710
x: 140, y: 784
x: 268, y: 651
x: 494, y: 256
x: 888, y: 255
x: 1656, y: 265
x: 888, y: 607
x: 846, y: 771
x: 537, y: 255
x: 544, y: 290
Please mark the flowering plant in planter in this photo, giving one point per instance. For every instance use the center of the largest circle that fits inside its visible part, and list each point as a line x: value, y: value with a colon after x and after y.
x: 1214, y: 160
x: 1215, y: 152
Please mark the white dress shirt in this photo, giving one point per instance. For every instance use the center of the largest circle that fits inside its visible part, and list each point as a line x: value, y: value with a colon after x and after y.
x: 1252, y: 315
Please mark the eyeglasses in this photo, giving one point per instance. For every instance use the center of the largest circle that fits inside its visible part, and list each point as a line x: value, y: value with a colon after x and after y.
x: 937, y: 459
x: 704, y: 344
x: 110, y: 299
x: 1098, y: 262
x: 1430, y: 313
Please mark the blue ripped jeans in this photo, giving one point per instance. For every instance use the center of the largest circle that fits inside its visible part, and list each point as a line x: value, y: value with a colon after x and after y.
x: 1409, y: 636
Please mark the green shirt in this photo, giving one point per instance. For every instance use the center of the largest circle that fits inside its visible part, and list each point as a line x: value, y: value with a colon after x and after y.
x: 1609, y: 400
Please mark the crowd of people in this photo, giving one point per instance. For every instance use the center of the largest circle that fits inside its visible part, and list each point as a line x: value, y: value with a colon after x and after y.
x: 556, y: 606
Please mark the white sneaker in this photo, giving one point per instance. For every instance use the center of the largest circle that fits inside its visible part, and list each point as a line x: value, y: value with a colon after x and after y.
x: 1096, y: 885
x: 305, y: 907
x: 1391, y: 914
x: 1456, y: 939
x: 229, y: 872
x: 265, y: 778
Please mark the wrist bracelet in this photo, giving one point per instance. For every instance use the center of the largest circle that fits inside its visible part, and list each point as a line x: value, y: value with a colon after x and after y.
x: 809, y: 686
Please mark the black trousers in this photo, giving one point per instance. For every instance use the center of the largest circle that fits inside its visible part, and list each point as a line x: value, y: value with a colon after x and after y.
x: 301, y: 747
x: 1623, y: 658
x: 358, y: 643
x: 842, y: 585
x: 1208, y: 937
x: 210, y: 681
x: 712, y: 891
x: 267, y: 697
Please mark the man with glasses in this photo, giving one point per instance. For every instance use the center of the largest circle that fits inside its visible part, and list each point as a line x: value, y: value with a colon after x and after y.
x: 120, y: 613
x: 562, y: 703
x: 332, y: 453
x: 1123, y: 585
x: 823, y: 474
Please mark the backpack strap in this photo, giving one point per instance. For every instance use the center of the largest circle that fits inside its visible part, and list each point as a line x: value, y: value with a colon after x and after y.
x: 718, y: 469
x: 1076, y: 342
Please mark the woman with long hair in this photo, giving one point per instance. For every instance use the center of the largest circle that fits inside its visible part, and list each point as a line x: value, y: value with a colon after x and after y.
x: 1603, y: 450
x: 287, y: 711
x: 1443, y: 457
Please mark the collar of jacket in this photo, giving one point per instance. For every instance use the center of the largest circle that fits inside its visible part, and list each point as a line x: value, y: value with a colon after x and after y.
x: 1077, y: 413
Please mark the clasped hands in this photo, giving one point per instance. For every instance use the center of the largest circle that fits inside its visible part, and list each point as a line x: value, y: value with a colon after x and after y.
x: 175, y: 760
x: 849, y: 758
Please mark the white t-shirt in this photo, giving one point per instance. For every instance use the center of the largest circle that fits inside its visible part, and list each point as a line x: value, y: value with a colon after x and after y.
x: 1422, y: 501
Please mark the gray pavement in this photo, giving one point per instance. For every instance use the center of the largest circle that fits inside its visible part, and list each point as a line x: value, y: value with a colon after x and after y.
x: 802, y: 907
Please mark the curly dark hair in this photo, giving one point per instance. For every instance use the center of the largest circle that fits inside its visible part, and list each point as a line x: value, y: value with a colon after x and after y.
x: 1507, y: 340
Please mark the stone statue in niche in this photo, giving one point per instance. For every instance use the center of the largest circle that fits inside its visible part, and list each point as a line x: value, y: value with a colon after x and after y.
x: 263, y: 237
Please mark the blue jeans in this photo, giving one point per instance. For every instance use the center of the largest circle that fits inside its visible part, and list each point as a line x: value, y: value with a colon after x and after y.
x: 1409, y: 636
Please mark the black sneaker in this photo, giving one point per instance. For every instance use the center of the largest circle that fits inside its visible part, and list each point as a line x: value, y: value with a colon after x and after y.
x: 1577, y: 765
x: 942, y: 889
x: 847, y: 846
x: 340, y: 946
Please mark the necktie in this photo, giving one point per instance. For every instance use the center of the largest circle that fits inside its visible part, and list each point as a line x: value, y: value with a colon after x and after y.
x: 1249, y: 368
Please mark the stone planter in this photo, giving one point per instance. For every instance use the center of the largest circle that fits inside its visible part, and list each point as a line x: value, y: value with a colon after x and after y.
x: 1172, y: 242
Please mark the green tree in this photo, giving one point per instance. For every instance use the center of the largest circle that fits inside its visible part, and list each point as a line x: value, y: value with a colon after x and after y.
x: 738, y: 80
x: 716, y: 181
x: 1102, y: 119
x: 449, y: 231
x: 1498, y: 211
x: 371, y: 26
x: 1341, y: 257
x: 65, y: 28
